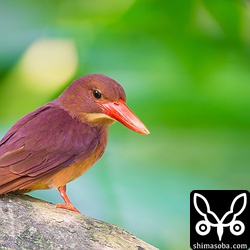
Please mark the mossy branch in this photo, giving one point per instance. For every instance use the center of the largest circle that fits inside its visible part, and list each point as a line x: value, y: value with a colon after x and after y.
x: 30, y: 223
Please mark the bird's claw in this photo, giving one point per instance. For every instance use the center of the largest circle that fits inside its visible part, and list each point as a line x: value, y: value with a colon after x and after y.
x: 68, y: 207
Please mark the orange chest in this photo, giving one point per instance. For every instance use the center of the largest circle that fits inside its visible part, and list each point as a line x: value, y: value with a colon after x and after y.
x: 70, y: 173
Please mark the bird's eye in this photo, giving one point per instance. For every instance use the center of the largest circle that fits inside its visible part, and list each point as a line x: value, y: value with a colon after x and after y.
x: 97, y: 94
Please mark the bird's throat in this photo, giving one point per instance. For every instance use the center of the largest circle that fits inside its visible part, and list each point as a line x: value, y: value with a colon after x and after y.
x: 98, y: 119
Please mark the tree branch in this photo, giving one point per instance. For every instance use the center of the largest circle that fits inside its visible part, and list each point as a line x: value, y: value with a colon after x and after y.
x: 30, y: 223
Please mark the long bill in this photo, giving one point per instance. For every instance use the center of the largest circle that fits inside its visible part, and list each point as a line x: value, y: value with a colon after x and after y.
x: 122, y: 113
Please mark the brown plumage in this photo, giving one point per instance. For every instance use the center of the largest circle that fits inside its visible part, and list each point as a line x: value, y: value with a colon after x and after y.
x: 59, y: 141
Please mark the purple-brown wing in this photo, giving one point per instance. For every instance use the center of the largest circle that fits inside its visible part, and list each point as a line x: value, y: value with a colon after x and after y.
x: 40, y: 143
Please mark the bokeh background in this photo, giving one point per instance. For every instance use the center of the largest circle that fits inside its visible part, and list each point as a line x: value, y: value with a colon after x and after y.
x: 185, y: 66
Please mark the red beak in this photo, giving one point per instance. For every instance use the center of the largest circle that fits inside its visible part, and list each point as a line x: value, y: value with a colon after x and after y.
x: 122, y: 113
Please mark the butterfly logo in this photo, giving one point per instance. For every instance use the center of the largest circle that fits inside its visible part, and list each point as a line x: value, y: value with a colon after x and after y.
x: 210, y: 219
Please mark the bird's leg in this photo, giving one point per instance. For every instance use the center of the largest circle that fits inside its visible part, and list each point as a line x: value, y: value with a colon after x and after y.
x: 68, y: 205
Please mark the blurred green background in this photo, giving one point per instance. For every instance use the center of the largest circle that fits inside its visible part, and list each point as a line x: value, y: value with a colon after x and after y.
x: 185, y: 66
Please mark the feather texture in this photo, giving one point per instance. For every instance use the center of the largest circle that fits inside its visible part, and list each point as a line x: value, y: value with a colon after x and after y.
x: 41, y: 144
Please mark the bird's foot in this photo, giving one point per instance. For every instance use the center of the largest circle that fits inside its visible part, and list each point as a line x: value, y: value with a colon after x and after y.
x: 68, y: 206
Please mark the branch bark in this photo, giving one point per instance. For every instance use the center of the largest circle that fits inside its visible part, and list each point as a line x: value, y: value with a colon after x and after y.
x: 30, y: 223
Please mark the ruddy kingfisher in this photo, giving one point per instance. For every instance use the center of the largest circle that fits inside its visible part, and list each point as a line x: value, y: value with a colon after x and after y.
x: 62, y: 139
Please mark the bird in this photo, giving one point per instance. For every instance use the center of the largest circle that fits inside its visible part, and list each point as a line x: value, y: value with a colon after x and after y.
x: 61, y: 140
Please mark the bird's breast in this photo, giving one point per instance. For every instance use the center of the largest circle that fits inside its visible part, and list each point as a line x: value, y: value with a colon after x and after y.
x: 72, y: 172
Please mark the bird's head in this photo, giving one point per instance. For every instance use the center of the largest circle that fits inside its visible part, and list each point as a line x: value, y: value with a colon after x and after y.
x: 99, y: 99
